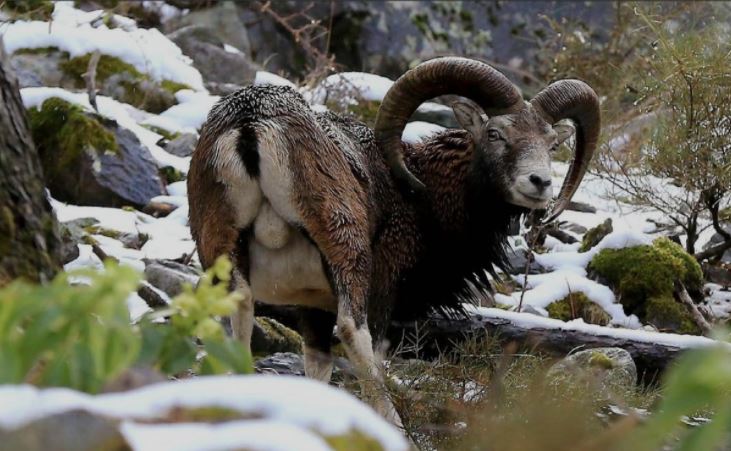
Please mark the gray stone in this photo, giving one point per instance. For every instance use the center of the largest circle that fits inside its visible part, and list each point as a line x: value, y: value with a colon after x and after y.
x: 517, y: 261
x: 223, y: 21
x: 39, y: 68
x: 581, y: 207
x: 717, y: 239
x: 183, y: 145
x: 611, y: 370
x: 76, y: 430
x: 573, y: 227
x: 217, y: 65
x: 286, y: 363
x: 436, y: 113
x: 169, y: 276
x: 222, y: 89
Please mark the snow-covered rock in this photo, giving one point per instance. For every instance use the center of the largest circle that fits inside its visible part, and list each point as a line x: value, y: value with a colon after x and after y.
x: 260, y: 412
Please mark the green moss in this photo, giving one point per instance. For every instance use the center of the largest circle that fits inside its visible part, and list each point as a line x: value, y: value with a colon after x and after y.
x: 39, y: 51
x: 173, y: 86
x: 593, y: 236
x: 96, y: 230
x: 62, y: 131
x: 692, y: 272
x: 167, y: 134
x: 171, y: 175
x: 277, y: 337
x: 601, y: 360
x: 129, y: 208
x: 644, y: 278
x: 666, y: 314
x: 353, y: 441
x: 209, y: 414
x: 578, y: 305
x: 29, y: 9
x: 108, y: 65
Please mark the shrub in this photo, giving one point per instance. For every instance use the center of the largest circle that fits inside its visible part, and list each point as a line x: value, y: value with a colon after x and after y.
x: 76, y: 332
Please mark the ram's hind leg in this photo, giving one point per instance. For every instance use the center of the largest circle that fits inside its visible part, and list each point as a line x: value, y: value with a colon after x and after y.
x: 242, y: 321
x: 317, y: 329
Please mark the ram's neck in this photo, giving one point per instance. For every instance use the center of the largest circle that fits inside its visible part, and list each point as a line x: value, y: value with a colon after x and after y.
x: 444, y: 164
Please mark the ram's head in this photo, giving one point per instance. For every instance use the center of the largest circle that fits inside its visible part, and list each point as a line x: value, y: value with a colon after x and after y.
x: 513, y: 138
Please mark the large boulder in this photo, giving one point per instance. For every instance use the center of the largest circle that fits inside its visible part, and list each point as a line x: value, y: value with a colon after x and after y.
x: 608, y: 370
x: 212, y: 58
x: 91, y: 160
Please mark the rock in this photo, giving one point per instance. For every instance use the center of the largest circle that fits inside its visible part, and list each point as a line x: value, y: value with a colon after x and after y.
x: 291, y: 364
x: 573, y: 227
x: 216, y: 64
x: 720, y: 274
x: 75, y: 430
x: 169, y: 276
x: 40, y: 67
x: 287, y: 363
x: 717, y: 239
x: 269, y: 336
x: 518, y: 260
x: 578, y: 305
x: 223, y: 20
x: 644, y: 279
x: 183, y: 145
x: 435, y: 113
x: 581, y: 207
x: 138, y: 91
x: 154, y: 297
x: 595, y: 235
x: 91, y: 160
x: 222, y: 89
x: 611, y: 370
x: 114, y: 77
x: 159, y: 209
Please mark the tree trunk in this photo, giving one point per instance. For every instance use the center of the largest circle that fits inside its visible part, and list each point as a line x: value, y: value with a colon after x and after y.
x: 29, y: 241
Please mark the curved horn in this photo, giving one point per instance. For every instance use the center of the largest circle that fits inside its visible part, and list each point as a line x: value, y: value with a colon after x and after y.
x: 575, y: 100
x: 448, y: 75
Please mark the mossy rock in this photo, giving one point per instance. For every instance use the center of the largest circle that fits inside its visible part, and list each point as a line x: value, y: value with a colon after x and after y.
x: 578, y: 305
x: 644, y: 278
x: 29, y: 9
x: 90, y: 160
x: 165, y: 133
x: 123, y: 82
x: 63, y: 131
x: 594, y: 235
x: 270, y: 336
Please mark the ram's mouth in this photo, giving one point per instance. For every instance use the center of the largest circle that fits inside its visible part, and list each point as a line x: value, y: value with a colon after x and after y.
x: 530, y: 201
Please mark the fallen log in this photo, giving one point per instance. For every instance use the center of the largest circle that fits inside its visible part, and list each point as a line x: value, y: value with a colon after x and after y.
x: 652, y: 351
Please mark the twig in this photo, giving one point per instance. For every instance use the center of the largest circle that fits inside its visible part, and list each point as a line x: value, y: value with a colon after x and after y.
x: 90, y: 78
x: 698, y: 317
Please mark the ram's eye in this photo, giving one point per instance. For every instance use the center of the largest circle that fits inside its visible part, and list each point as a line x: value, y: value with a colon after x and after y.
x: 554, y: 147
x: 493, y: 135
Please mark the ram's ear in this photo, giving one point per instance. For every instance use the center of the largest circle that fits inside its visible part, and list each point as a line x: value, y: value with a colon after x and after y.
x: 564, y: 130
x: 470, y: 117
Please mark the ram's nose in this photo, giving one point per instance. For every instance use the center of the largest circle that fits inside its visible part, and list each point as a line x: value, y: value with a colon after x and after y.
x: 541, y: 183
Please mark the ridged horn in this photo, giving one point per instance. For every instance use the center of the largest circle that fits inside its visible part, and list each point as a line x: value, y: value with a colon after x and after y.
x: 447, y: 75
x: 575, y: 100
